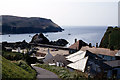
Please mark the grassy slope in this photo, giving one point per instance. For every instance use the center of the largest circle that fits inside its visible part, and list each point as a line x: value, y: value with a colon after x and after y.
x: 111, y: 38
x: 10, y: 70
x: 64, y: 73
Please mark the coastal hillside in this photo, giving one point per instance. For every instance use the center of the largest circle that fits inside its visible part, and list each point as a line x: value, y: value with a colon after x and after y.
x: 111, y: 38
x: 11, y: 71
x: 17, y: 25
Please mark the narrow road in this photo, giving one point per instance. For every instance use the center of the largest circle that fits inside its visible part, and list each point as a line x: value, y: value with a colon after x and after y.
x: 43, y: 74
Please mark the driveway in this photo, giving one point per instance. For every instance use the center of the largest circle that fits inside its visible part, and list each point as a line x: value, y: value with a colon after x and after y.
x: 43, y: 74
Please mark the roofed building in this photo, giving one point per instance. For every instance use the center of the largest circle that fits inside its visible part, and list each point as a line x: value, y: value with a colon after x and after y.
x: 86, y: 61
x: 79, y: 65
x: 48, y: 56
x: 118, y: 53
x: 115, y: 71
x: 102, y: 51
x: 78, y: 44
x: 58, y: 60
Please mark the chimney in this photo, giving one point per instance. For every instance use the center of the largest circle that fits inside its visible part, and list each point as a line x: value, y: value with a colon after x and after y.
x: 75, y: 40
x: 96, y: 45
x: 79, y: 45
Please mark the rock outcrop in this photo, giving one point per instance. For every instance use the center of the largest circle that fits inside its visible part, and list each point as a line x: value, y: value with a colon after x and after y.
x: 39, y: 38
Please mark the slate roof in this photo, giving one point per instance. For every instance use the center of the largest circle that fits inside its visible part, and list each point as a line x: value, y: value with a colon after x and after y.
x: 80, y: 59
x: 77, y: 57
x: 48, y: 56
x: 115, y: 63
x: 74, y: 54
x: 81, y: 54
x: 79, y: 65
x: 58, y: 58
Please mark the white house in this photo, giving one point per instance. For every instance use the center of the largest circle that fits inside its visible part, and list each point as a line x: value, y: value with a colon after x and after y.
x: 76, y: 53
x: 86, y: 61
x: 79, y: 65
x: 48, y: 56
x: 118, y: 53
x: 75, y: 57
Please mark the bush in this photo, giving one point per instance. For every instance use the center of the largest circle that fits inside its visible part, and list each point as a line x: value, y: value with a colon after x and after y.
x: 12, y: 55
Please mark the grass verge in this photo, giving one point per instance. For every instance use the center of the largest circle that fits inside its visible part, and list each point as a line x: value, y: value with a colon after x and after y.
x: 64, y: 73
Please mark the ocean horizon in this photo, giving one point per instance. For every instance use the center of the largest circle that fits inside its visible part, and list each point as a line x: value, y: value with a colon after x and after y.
x: 89, y: 34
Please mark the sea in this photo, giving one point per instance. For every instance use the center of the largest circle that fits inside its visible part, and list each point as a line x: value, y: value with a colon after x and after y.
x: 89, y: 34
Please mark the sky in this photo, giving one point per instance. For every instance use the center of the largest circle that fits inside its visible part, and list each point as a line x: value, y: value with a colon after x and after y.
x: 65, y: 12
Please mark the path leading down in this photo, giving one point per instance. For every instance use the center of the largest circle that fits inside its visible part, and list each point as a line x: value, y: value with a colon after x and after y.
x: 43, y: 74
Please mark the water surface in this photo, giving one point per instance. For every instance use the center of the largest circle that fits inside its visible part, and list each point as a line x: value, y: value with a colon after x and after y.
x: 88, y: 34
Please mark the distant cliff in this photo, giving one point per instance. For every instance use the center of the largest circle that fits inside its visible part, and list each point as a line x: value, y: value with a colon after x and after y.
x: 17, y: 25
x: 111, y: 38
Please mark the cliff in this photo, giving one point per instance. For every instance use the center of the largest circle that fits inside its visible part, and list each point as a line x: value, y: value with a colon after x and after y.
x: 17, y: 25
x: 111, y: 38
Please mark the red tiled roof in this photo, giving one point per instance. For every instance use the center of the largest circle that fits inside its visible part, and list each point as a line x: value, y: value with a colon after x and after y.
x: 75, y: 45
x: 78, y: 45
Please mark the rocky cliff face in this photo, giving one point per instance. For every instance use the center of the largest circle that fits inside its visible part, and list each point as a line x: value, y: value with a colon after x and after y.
x: 16, y: 25
x: 111, y: 38
x: 41, y: 39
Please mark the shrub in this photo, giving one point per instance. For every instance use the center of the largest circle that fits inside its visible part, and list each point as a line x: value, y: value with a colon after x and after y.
x: 12, y: 55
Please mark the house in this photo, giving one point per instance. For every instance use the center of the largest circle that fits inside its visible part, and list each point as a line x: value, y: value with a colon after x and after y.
x: 117, y: 55
x: 107, y: 57
x: 77, y: 45
x: 87, y: 62
x: 102, y: 51
x: 76, y: 53
x: 58, y: 60
x: 115, y: 71
x: 8, y: 49
x: 48, y: 56
x: 105, y: 54
x: 75, y: 57
x: 79, y: 65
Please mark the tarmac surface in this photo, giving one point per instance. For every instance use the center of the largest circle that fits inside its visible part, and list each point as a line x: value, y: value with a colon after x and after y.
x: 43, y: 74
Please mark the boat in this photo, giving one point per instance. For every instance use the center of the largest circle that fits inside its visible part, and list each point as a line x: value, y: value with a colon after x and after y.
x: 8, y: 35
x: 69, y: 34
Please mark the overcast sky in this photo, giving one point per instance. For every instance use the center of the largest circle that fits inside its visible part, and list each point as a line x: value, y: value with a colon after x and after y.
x: 65, y: 12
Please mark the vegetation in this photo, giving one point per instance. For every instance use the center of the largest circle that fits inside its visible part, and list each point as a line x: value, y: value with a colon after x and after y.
x: 17, y: 25
x: 26, y: 67
x: 111, y: 38
x: 64, y: 73
x: 12, y: 55
x: 19, y: 70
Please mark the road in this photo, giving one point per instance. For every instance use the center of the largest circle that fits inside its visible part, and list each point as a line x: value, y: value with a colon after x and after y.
x: 43, y: 74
